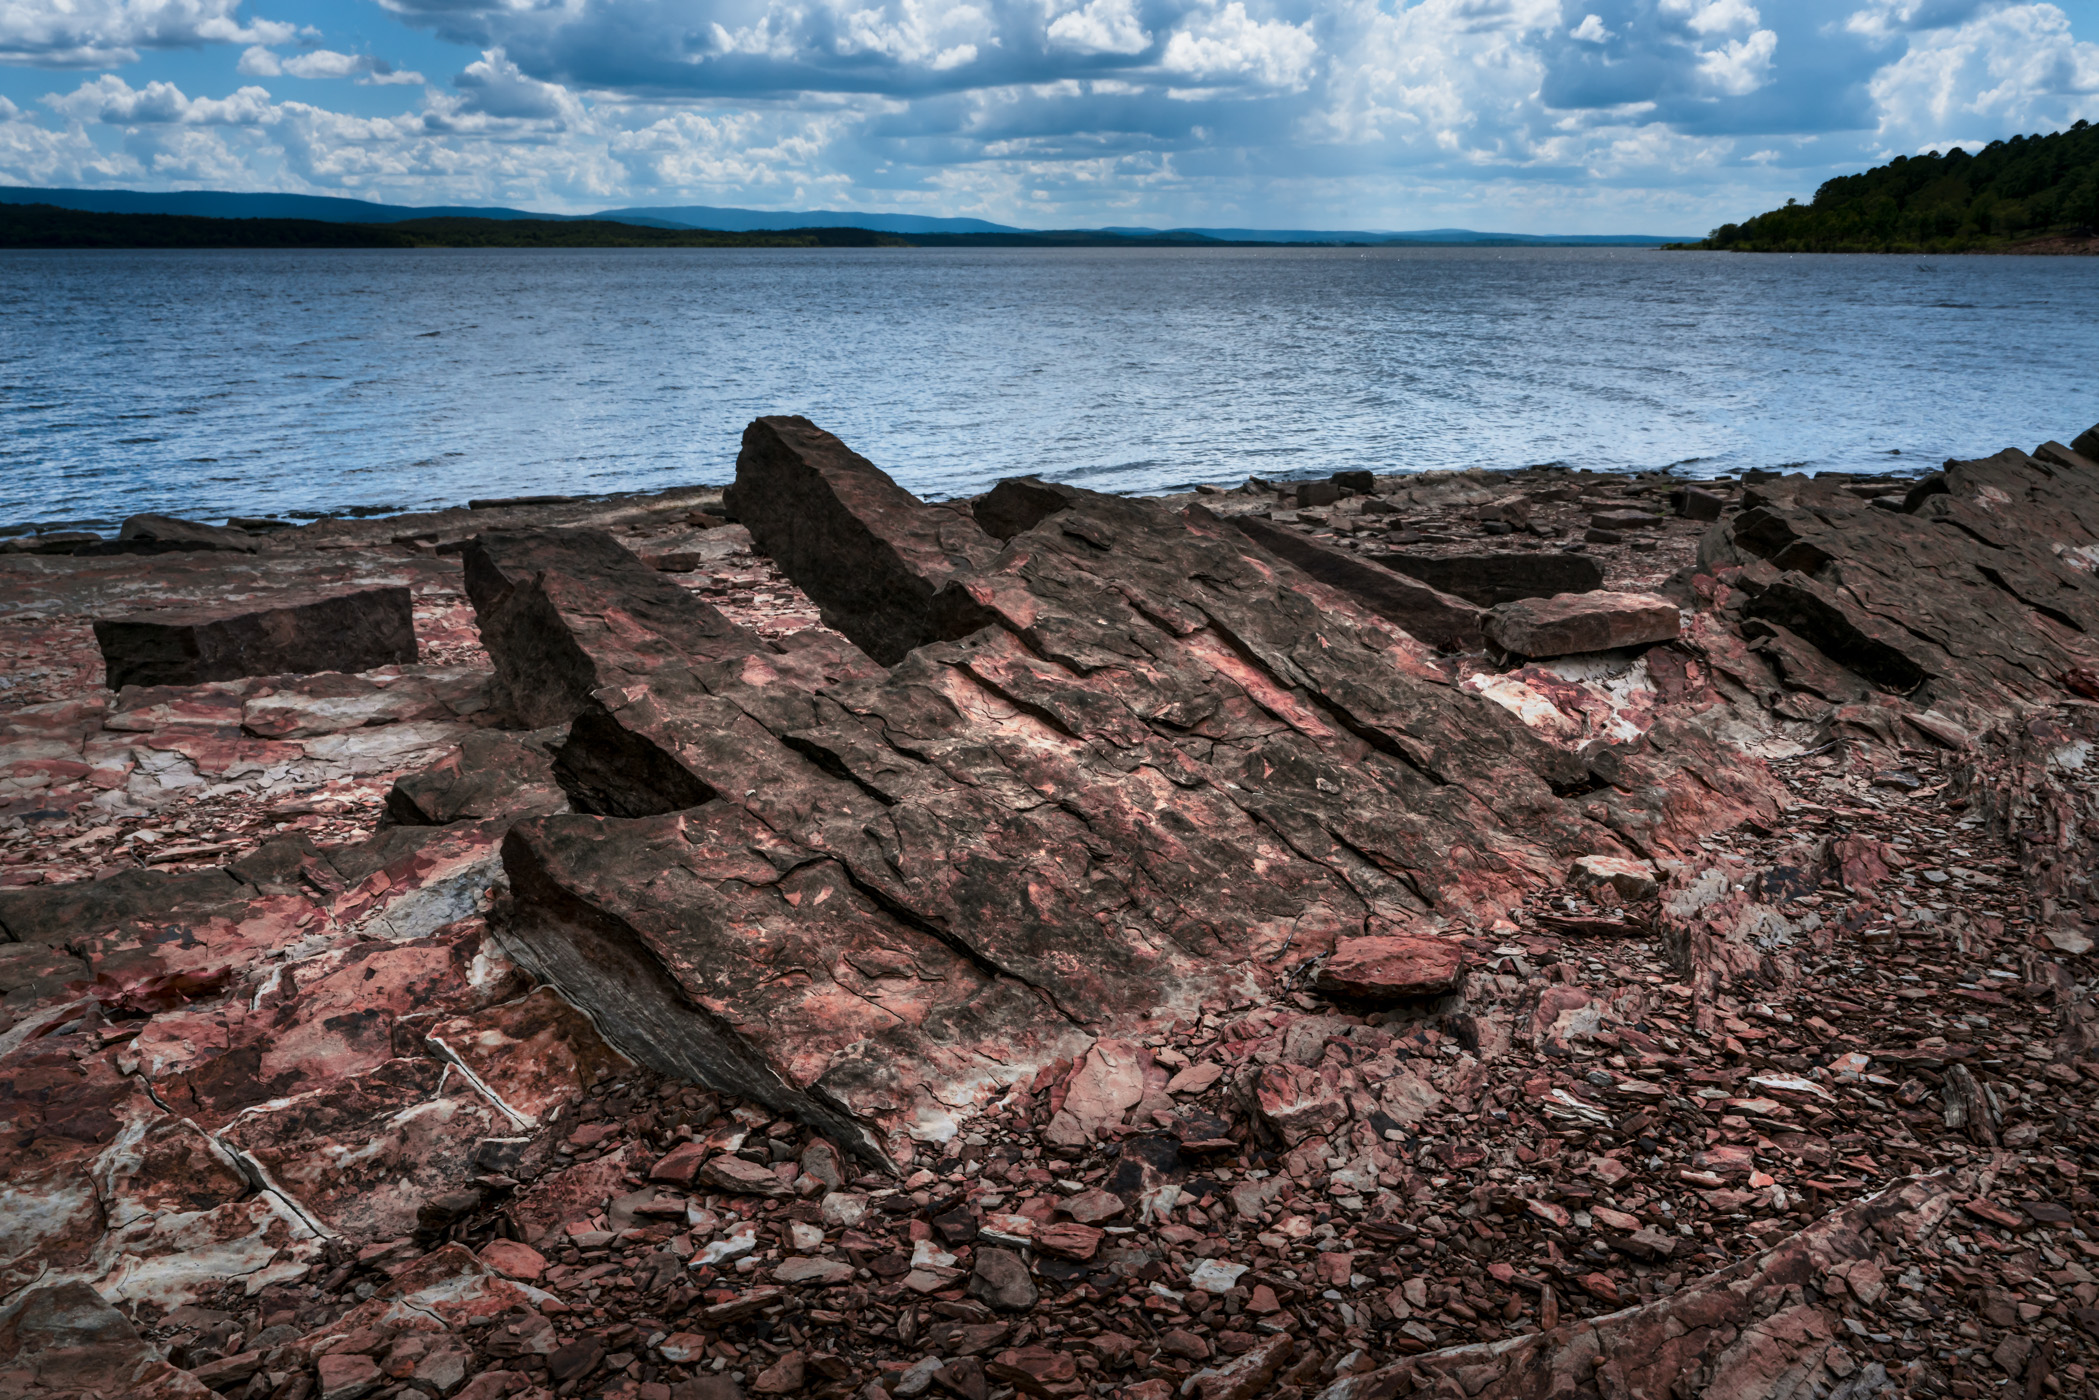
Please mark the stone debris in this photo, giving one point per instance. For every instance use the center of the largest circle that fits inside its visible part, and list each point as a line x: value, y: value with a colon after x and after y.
x: 1165, y: 976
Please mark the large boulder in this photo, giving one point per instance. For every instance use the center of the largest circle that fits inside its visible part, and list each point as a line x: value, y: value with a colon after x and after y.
x: 276, y: 634
x: 1582, y: 622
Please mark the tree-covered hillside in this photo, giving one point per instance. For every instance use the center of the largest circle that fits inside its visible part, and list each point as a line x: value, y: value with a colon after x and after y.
x: 2029, y: 187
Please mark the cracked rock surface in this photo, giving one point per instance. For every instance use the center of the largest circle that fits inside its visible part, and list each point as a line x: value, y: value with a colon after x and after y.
x: 1060, y: 945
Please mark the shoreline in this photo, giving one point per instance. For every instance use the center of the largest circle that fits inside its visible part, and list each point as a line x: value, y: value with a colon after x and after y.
x: 1332, y: 936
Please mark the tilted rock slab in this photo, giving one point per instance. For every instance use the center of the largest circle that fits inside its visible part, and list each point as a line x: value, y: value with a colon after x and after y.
x: 1133, y: 764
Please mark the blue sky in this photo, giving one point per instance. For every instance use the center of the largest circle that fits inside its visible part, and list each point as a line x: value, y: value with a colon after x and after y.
x: 1578, y: 116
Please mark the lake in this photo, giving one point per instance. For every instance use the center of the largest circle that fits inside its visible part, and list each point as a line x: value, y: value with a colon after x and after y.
x: 214, y: 383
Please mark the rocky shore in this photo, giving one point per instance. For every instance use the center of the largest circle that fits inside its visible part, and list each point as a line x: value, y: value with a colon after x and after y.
x: 1494, y: 934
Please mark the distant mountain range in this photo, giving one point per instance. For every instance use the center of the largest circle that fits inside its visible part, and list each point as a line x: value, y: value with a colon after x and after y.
x: 220, y: 204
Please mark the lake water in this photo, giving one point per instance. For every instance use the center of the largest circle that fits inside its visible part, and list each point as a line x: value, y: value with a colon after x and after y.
x: 216, y: 383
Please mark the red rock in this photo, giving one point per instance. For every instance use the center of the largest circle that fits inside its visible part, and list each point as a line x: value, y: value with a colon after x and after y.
x: 512, y: 1260
x: 1069, y: 1240
x: 1391, y: 967
x: 1033, y: 1369
x: 681, y: 1164
x: 1246, y: 1375
x: 1572, y: 623
x: 1094, y: 1207
x: 1632, y: 880
x: 1262, y: 1301
x: 738, y: 1177
x: 784, y: 1377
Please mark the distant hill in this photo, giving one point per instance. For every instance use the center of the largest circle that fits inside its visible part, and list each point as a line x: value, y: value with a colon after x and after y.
x: 47, y: 226
x: 2010, y: 193
x: 749, y: 220
x: 224, y: 204
x: 228, y: 204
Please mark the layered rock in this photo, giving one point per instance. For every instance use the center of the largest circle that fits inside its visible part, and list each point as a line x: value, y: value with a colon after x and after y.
x: 268, y: 636
x: 1156, y: 769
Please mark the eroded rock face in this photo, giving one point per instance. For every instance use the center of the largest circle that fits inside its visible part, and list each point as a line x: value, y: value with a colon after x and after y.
x: 1488, y: 580
x: 1423, y: 611
x: 268, y: 636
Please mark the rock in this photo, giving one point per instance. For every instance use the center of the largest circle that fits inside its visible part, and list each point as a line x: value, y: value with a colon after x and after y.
x: 1033, y: 1369
x: 64, y: 1339
x: 873, y: 556
x: 1878, y: 652
x: 1000, y: 1280
x: 1360, y: 481
x: 1436, y: 618
x: 490, y: 775
x: 566, y: 613
x: 1019, y: 503
x: 1624, y: 520
x: 1243, y: 1377
x: 1593, y: 535
x: 157, y: 533
x: 741, y: 1178
x: 1694, y: 504
x: 681, y: 1164
x: 346, y: 1376
x: 824, y: 1162
x: 1732, y: 1333
x: 1311, y: 495
x: 514, y: 1260
x: 2086, y: 443
x: 1633, y: 880
x: 278, y: 634
x: 1488, y: 580
x: 1573, y: 623
x: 1392, y: 967
x: 818, y: 1273
x: 1069, y: 1240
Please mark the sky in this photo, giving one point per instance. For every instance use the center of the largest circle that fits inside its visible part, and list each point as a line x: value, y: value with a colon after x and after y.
x: 1535, y: 116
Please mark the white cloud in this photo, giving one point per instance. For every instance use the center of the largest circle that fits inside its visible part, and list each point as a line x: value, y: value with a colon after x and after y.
x: 1100, y: 26
x: 2012, y: 70
x: 260, y: 62
x: 1590, y: 31
x: 97, y: 33
x: 1741, y: 66
x: 1227, y: 45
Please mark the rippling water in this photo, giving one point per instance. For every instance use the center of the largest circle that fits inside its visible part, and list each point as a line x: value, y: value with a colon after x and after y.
x: 218, y: 383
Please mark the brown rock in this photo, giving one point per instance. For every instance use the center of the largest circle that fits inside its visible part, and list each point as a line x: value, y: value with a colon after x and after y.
x: 681, y: 1164
x: 287, y: 633
x: 1489, y: 580
x: 1246, y: 1375
x: 1094, y: 1207
x: 1001, y: 1280
x: 1069, y: 1240
x: 1425, y: 612
x: 1572, y: 623
x: 1392, y: 967
x: 1633, y: 880
x: 872, y: 555
x: 741, y: 1178
x: 345, y: 1376
x: 513, y: 1260
x: 784, y: 1377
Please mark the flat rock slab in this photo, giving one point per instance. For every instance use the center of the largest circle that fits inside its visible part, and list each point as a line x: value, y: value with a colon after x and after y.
x: 1572, y: 623
x: 1490, y: 580
x: 1434, y: 616
x: 1392, y: 967
x: 281, y: 634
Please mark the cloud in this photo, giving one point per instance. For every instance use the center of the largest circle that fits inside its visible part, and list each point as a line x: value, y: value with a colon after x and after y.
x: 2014, y: 69
x: 259, y: 62
x: 1669, y: 115
x: 99, y: 33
